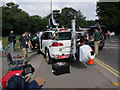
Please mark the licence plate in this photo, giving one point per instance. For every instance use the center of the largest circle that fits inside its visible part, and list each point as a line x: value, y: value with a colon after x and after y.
x: 65, y: 50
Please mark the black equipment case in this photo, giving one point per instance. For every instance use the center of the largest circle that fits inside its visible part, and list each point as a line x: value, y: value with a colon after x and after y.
x: 28, y: 68
x: 60, y: 68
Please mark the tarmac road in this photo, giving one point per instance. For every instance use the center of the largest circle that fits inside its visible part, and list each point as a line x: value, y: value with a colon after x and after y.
x: 107, y: 60
x: 80, y: 76
x: 109, y: 54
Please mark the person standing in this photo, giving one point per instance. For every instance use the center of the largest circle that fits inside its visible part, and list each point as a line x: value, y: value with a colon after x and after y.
x: 86, y: 37
x: 97, y: 34
x: 40, y: 34
x: 1, y: 44
x: 83, y: 32
x: 37, y: 34
x: 108, y: 34
x: 112, y: 34
x: 24, y: 45
x: 11, y: 38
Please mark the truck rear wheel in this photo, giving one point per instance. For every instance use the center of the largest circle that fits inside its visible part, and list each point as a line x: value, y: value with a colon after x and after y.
x: 48, y: 58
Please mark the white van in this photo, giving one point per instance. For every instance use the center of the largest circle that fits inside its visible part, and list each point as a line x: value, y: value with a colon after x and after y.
x: 56, y: 44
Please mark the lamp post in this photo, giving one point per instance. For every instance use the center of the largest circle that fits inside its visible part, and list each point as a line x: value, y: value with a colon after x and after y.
x: 51, y: 8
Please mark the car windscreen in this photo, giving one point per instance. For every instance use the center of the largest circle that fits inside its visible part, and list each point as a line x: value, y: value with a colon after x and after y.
x: 64, y: 36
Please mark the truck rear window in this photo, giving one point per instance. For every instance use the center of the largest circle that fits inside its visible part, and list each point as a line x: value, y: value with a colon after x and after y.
x: 64, y: 36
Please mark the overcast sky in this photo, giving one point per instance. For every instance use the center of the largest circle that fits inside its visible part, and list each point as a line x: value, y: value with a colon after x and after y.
x: 38, y: 7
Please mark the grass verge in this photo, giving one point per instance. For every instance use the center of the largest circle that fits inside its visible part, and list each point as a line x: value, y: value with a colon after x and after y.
x: 5, y: 40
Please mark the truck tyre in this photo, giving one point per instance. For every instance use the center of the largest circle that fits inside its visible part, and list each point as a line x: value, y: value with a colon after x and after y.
x: 48, y: 58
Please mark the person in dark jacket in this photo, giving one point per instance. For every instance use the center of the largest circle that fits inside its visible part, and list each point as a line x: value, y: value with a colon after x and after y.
x: 23, y: 44
x: 11, y: 38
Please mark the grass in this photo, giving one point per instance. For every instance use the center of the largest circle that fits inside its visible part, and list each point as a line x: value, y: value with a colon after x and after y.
x: 5, y: 40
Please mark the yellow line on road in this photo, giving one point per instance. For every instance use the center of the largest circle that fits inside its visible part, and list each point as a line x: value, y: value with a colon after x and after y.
x: 117, y: 84
x: 108, y: 66
x: 108, y: 69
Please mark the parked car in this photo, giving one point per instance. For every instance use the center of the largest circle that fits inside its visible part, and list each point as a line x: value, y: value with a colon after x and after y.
x: 56, y: 44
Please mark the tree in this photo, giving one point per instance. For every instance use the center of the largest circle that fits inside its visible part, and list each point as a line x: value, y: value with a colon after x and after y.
x: 45, y: 23
x: 13, y: 18
x: 35, y: 23
x: 108, y: 13
x: 68, y: 14
x: 90, y: 22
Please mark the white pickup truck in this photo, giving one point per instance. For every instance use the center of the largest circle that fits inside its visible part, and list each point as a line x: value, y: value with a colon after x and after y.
x: 56, y: 44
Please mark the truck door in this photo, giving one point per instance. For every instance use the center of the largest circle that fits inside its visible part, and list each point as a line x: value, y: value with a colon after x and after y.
x: 45, y: 40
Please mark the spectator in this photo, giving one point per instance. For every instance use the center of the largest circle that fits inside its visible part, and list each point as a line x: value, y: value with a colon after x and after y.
x: 112, y: 34
x: 38, y: 40
x: 108, y: 34
x: 97, y: 35
x: 11, y: 38
x: 83, y: 32
x: 40, y: 34
x: 86, y: 37
x: 24, y: 45
x: 1, y: 44
x: 91, y: 37
x: 37, y: 34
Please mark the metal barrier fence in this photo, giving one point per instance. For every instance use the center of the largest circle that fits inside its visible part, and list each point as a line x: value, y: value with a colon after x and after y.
x: 3, y: 60
x: 8, y: 49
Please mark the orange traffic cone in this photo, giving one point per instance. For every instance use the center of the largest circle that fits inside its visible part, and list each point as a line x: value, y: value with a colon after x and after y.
x: 91, y: 62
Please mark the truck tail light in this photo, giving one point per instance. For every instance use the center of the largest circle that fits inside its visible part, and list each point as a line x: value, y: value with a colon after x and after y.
x: 56, y: 44
x: 63, y: 29
x: 64, y: 56
x: 92, y: 49
x: 81, y: 42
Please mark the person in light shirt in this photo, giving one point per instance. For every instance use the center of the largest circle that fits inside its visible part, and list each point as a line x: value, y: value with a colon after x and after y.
x: 40, y: 34
x: 1, y: 44
x: 112, y: 34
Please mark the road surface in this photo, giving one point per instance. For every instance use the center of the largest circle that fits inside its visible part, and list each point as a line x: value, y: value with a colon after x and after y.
x: 107, y: 60
x: 81, y: 75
